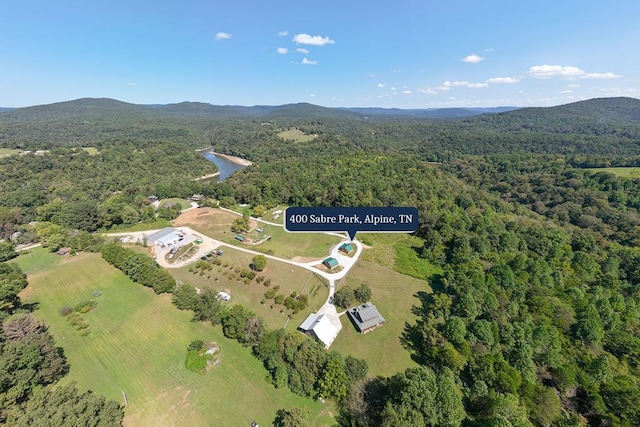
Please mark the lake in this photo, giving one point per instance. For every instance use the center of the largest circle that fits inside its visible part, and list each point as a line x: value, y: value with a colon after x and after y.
x: 226, y: 167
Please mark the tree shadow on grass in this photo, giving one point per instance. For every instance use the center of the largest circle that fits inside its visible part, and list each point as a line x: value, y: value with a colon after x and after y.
x: 30, y: 306
x: 411, y: 338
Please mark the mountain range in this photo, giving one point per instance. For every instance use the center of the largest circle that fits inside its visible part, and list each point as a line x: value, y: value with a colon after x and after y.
x: 597, y: 113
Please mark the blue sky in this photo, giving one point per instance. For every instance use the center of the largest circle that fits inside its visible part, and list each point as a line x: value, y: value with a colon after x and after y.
x: 403, y: 53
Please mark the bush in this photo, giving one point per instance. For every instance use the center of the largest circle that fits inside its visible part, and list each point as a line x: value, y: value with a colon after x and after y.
x: 196, y: 345
x: 85, y: 306
x: 259, y: 262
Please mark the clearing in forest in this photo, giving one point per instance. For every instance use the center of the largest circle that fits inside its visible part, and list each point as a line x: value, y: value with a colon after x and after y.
x: 138, y: 344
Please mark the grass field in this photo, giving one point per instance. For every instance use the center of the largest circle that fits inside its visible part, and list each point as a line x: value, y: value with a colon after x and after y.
x: 290, y: 279
x: 92, y: 151
x: 216, y: 224
x: 296, y: 135
x: 397, y: 251
x: 184, y: 204
x: 138, y: 343
x: 394, y: 295
x: 625, y: 172
x: 5, y: 152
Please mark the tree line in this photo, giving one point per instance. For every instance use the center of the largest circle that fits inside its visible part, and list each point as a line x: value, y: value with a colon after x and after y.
x: 31, y: 365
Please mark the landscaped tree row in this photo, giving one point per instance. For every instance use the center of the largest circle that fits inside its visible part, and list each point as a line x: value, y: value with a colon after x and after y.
x: 139, y: 268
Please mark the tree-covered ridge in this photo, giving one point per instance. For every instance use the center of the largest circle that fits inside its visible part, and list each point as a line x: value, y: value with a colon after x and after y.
x: 602, y: 204
x: 606, y: 126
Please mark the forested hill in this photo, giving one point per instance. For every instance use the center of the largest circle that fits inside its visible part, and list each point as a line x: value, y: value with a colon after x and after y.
x: 594, y: 114
x: 602, y: 127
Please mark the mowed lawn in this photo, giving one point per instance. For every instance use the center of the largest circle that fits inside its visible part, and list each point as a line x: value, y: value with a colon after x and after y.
x: 5, y: 152
x: 625, y: 172
x: 296, y: 135
x: 290, y: 279
x: 137, y: 344
x: 216, y: 223
x: 394, y: 296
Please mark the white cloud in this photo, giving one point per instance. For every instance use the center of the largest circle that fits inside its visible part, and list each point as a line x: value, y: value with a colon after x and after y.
x: 306, y: 61
x: 472, y: 59
x: 381, y: 85
x: 394, y: 88
x: 573, y: 85
x: 448, y: 85
x: 223, y: 36
x: 502, y: 80
x: 282, y: 50
x: 283, y: 33
x: 477, y: 85
x: 567, y: 71
x: 407, y: 92
x: 548, y: 71
x: 566, y: 91
x: 312, y: 40
x: 132, y: 84
x: 302, y: 50
x: 312, y: 95
x: 600, y: 76
x: 428, y: 91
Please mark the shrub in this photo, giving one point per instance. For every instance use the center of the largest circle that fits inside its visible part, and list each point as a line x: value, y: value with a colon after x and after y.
x: 195, y: 345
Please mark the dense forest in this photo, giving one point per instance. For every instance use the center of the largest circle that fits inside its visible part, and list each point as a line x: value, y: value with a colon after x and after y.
x: 535, y: 319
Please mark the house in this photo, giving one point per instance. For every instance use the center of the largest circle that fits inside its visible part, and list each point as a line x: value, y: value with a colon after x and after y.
x: 166, y: 236
x: 153, y: 198
x: 239, y: 238
x: 330, y: 263
x: 346, y: 248
x: 197, y: 197
x: 320, y: 327
x: 64, y: 251
x: 365, y: 317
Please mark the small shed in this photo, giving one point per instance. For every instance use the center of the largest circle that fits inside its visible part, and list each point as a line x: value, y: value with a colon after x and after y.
x: 330, y: 263
x: 346, y: 248
x: 239, y: 238
x: 64, y: 251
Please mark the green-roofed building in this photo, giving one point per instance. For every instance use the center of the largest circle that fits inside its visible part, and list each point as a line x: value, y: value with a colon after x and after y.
x: 330, y: 263
x: 346, y: 248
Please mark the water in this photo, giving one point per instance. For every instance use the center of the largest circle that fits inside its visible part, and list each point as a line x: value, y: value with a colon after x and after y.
x: 226, y: 167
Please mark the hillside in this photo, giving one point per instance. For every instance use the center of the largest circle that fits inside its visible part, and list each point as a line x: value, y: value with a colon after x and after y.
x: 598, y: 114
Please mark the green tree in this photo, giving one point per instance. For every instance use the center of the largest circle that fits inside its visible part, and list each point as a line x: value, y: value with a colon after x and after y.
x: 450, y: 409
x: 362, y: 293
x: 344, y: 297
x: 259, y: 262
x: 185, y: 297
x: 292, y: 417
x: 12, y: 281
x: 334, y: 382
x: 355, y: 368
x: 64, y: 405
x: 6, y: 251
